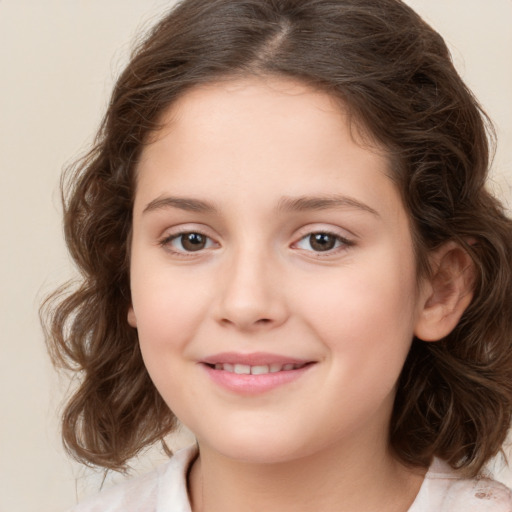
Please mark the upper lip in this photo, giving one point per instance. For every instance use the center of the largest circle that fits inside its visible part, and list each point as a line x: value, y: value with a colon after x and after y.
x: 253, y: 359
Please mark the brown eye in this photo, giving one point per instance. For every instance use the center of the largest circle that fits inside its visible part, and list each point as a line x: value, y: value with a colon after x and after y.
x: 322, y: 241
x: 187, y: 242
x: 192, y: 241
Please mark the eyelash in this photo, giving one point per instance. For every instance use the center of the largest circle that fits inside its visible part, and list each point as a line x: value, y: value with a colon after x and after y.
x: 341, y: 242
x: 166, y: 242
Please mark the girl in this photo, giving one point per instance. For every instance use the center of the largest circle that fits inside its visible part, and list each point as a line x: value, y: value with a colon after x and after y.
x: 286, y: 242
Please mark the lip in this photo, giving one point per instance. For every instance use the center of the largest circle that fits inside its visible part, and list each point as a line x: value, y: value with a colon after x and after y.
x: 249, y: 384
x: 252, y: 359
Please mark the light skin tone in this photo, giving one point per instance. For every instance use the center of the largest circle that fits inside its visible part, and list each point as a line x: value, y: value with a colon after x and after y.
x: 264, y: 228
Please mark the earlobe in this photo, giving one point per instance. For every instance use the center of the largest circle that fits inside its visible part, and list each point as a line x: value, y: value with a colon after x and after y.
x: 132, y: 320
x: 447, y: 292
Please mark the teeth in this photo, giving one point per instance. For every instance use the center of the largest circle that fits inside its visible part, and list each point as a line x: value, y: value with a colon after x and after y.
x: 258, y: 370
x: 242, y: 369
x: 245, y: 369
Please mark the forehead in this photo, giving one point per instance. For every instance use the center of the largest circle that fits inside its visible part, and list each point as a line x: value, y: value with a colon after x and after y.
x: 260, y: 136
x: 262, y: 99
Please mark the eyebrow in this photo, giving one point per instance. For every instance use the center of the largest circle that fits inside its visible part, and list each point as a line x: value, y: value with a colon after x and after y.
x: 308, y: 203
x: 182, y: 203
x: 285, y: 204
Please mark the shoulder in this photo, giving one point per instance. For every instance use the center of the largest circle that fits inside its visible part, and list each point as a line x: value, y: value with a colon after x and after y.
x: 166, y: 484
x: 445, y: 490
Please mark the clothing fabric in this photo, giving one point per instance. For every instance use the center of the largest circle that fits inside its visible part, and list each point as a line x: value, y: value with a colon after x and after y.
x: 165, y: 490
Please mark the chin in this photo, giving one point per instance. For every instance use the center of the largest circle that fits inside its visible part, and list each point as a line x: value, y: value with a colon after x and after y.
x: 255, y: 447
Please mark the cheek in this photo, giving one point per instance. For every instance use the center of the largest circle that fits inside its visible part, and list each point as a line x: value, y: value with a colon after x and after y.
x: 167, y: 308
x: 380, y: 295
x: 367, y: 318
x: 168, y: 316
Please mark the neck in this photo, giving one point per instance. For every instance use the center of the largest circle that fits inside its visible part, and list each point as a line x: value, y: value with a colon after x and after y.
x: 341, y: 478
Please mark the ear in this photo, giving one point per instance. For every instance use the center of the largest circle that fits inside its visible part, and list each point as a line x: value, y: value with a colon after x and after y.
x: 446, y: 293
x: 132, y: 319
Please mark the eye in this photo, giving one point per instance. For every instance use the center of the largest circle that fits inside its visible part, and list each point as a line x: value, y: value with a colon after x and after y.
x: 187, y: 242
x: 322, y: 242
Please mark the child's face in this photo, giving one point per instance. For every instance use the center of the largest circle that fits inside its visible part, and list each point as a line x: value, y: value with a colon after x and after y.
x: 298, y: 251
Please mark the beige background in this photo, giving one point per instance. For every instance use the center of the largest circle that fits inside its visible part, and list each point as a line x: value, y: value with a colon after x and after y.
x: 58, y: 59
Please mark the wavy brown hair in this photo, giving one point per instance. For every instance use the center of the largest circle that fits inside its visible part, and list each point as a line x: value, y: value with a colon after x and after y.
x: 395, y: 75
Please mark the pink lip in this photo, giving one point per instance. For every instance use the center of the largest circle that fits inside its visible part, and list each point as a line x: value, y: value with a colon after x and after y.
x: 253, y: 359
x: 249, y: 384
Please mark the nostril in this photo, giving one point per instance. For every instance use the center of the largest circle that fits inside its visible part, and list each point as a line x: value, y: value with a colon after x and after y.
x: 261, y: 321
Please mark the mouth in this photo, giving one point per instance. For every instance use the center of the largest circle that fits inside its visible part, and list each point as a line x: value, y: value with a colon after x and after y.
x: 260, y: 369
x: 251, y: 374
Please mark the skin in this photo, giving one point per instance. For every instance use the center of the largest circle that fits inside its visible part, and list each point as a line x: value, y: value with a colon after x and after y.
x: 319, y: 442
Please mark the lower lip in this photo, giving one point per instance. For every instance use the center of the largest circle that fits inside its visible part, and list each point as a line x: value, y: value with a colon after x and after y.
x: 254, y: 384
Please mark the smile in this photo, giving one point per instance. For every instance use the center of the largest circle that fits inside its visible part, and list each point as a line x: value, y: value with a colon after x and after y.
x: 245, y: 369
x: 253, y: 374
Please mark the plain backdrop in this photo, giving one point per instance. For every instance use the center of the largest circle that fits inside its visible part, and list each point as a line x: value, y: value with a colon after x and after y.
x: 58, y: 60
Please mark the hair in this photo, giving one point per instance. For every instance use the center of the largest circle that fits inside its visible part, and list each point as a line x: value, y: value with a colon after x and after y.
x: 395, y: 75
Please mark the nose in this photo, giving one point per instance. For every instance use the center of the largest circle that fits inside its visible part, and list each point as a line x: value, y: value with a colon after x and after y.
x: 251, y: 294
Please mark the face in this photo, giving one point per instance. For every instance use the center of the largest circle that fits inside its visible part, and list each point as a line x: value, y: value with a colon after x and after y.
x: 273, y: 281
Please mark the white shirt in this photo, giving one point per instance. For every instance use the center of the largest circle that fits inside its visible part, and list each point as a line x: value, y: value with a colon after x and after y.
x: 165, y: 490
